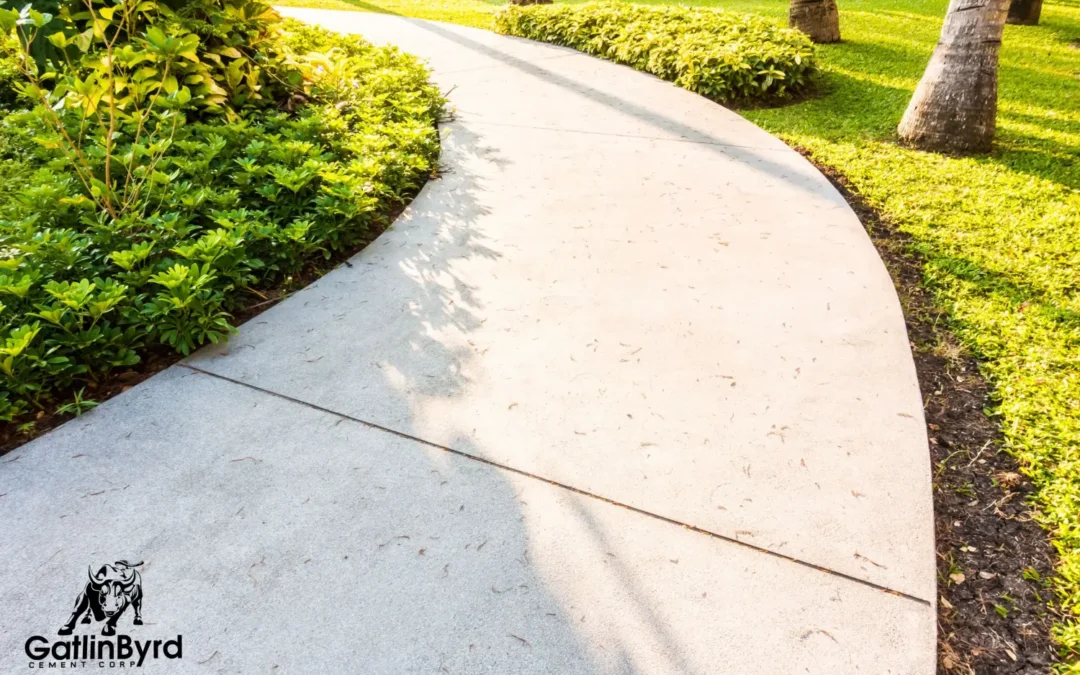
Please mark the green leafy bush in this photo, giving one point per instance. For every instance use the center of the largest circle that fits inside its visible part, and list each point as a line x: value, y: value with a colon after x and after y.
x: 9, y: 70
x: 144, y: 212
x: 724, y: 56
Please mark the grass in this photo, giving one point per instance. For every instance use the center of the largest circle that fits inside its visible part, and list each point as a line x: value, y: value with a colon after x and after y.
x: 1000, y: 234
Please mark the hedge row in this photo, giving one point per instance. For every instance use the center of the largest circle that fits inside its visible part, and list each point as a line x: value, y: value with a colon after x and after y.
x: 723, y: 56
x: 302, y: 153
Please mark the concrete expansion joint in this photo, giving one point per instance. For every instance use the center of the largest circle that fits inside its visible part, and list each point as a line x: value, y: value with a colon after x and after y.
x: 563, y: 486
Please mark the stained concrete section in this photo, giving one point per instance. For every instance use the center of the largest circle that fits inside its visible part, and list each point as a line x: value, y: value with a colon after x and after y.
x: 281, y: 539
x: 625, y: 288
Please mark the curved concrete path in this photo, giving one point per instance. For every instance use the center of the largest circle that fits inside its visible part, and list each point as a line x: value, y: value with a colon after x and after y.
x: 626, y: 390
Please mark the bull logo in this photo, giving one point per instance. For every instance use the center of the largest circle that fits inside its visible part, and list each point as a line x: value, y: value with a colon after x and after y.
x: 106, y: 595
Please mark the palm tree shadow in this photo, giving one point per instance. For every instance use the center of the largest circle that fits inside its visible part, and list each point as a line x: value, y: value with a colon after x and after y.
x: 442, y: 309
x: 379, y: 9
x: 761, y: 160
x: 370, y: 7
x: 1007, y: 289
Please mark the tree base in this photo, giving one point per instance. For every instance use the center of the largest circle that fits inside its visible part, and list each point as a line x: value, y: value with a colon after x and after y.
x: 819, y: 19
x: 954, y: 108
x: 1024, y: 12
x: 946, y: 144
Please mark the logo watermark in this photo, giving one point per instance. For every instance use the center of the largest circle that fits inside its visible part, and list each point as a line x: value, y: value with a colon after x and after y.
x: 106, y: 596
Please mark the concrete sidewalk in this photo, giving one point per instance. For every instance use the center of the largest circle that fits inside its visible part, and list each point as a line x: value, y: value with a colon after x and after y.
x: 626, y: 390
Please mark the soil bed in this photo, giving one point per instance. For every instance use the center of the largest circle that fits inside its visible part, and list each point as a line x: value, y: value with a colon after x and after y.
x: 993, y: 559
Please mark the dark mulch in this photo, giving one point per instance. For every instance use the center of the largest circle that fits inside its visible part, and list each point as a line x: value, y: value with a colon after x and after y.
x: 993, y: 558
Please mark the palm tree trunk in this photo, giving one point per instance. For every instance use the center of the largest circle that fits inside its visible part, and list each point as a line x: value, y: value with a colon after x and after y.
x: 817, y: 18
x: 954, y: 108
x: 1025, y: 12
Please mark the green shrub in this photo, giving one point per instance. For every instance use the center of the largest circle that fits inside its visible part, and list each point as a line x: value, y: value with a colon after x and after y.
x: 724, y: 56
x: 9, y: 69
x: 236, y: 194
x: 224, y: 51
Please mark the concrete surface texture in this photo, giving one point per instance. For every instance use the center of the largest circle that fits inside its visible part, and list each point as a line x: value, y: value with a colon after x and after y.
x: 626, y: 390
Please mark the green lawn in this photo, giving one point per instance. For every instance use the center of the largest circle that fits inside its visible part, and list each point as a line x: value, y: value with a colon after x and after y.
x: 1000, y: 234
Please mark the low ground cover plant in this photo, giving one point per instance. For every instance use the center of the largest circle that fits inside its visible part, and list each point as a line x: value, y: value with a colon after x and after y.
x: 724, y: 56
x: 161, y: 164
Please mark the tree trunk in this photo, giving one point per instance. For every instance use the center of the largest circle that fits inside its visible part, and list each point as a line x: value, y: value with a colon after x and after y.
x: 954, y: 108
x: 817, y: 18
x: 1025, y: 12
